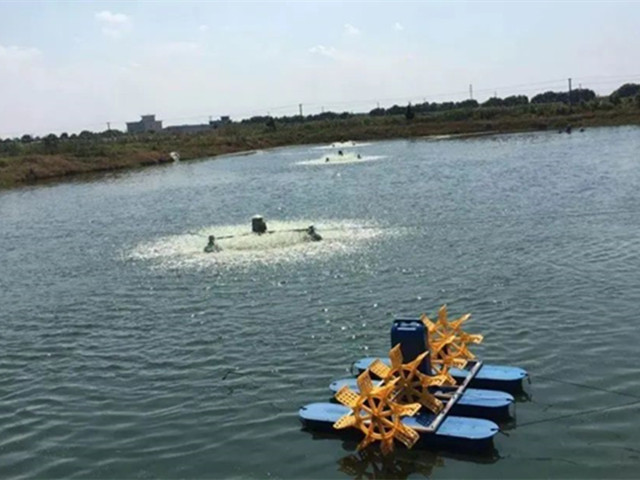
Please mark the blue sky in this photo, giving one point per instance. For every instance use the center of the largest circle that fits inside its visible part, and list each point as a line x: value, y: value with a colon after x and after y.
x: 68, y: 66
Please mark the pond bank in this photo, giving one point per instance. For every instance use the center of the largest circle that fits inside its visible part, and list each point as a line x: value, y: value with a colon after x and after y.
x: 107, y: 155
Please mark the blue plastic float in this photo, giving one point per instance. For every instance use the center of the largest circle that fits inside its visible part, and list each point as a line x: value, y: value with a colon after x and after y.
x: 489, y: 404
x: 423, y: 395
x: 491, y: 377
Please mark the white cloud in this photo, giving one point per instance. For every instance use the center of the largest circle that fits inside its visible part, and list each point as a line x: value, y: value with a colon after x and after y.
x: 114, y: 25
x: 398, y: 26
x: 203, y: 28
x: 350, y: 29
x: 324, y: 51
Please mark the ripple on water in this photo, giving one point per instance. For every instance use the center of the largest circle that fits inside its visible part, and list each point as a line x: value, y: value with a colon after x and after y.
x: 155, y: 360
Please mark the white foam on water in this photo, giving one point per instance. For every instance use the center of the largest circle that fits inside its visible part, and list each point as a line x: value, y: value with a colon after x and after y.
x: 335, y: 159
x: 348, y: 144
x: 245, y: 249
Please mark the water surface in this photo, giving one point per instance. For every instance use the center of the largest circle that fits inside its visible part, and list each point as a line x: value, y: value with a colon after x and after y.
x: 126, y: 352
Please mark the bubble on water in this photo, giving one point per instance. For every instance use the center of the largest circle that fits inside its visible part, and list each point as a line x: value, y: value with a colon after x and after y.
x: 343, y: 328
x: 240, y: 248
x: 336, y: 159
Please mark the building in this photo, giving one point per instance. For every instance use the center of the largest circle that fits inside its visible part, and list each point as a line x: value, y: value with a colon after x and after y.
x: 147, y: 123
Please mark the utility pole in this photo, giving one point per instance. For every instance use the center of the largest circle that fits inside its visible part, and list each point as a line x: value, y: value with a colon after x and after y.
x: 300, y: 107
x: 569, y: 94
x: 471, y: 91
x: 378, y: 104
x: 108, y: 126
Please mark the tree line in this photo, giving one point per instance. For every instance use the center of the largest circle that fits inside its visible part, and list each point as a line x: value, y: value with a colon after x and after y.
x: 86, y: 142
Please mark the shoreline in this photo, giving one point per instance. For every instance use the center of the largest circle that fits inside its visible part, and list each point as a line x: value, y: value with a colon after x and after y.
x: 131, y: 153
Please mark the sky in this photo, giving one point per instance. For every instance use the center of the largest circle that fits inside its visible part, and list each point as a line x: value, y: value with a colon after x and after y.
x: 76, y: 65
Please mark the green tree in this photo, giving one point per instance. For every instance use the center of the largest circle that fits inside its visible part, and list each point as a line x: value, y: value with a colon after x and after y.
x: 270, y: 123
x: 409, y: 113
x: 86, y: 135
x: 626, y: 90
x: 26, y: 138
x: 514, y: 100
x: 493, y: 102
x: 50, y: 143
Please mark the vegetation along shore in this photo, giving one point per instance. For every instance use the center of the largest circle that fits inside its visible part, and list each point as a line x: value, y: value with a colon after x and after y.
x: 28, y: 160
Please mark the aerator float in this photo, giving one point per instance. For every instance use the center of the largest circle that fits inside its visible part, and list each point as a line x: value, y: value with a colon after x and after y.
x: 422, y: 394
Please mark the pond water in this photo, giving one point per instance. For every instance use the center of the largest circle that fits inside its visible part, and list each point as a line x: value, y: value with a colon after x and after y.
x: 126, y: 352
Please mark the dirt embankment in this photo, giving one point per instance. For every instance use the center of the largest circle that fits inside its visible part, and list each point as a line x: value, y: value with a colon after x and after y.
x: 30, y: 167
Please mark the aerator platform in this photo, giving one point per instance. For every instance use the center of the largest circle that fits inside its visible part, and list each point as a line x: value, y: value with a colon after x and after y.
x: 422, y: 394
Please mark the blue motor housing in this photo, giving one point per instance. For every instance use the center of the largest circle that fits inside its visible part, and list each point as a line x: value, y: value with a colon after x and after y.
x: 411, y: 334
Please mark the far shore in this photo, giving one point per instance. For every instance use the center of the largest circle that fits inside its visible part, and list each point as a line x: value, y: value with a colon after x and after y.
x: 82, y: 156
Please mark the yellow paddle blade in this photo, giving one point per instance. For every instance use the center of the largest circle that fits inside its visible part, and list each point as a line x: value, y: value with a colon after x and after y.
x: 364, y: 383
x: 437, y: 345
x: 442, y: 316
x: 475, y: 338
x: 456, y: 324
x: 431, y: 403
x: 408, y: 410
x: 347, y: 397
x: 443, y: 371
x: 416, y: 362
x: 379, y: 368
x: 435, y: 380
x: 407, y: 435
x: 345, y: 421
x: 395, y: 355
x: 430, y: 326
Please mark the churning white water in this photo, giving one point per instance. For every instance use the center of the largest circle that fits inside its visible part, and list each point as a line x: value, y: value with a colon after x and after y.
x: 285, y: 241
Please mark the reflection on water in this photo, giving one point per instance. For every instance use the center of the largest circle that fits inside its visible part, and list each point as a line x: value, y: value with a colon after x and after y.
x: 371, y: 464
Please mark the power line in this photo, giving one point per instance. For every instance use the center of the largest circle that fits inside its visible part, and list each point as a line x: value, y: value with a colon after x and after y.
x: 522, y: 87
